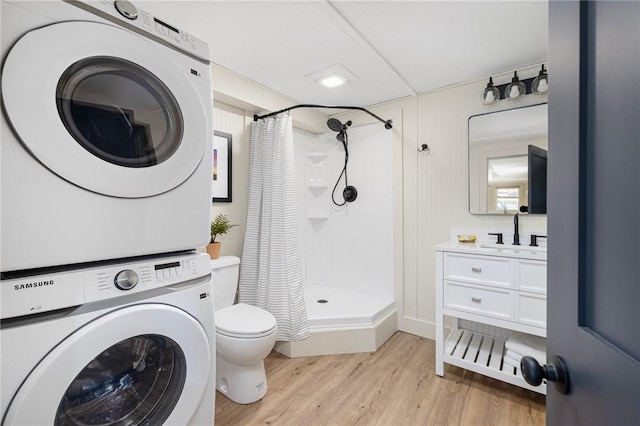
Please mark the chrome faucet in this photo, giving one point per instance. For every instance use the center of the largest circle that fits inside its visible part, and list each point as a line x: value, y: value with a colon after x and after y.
x: 516, y: 235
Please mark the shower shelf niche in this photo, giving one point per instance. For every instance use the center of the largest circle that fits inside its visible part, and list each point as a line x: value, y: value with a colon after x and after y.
x: 317, y: 190
x: 317, y: 172
x: 316, y: 186
x: 317, y: 217
x: 317, y: 157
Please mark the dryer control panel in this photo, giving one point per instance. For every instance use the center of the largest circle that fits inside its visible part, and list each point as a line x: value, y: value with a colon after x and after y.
x: 132, y: 17
x: 49, y: 292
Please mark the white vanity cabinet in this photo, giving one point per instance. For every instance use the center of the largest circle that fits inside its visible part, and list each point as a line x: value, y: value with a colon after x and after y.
x: 497, y: 290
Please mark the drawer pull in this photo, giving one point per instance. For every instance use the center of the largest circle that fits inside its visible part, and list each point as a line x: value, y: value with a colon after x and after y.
x: 475, y: 269
x: 476, y: 299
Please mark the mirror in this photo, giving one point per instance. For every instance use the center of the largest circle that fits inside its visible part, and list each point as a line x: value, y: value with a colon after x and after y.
x: 507, y: 161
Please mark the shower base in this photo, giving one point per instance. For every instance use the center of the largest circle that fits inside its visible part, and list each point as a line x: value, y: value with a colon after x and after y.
x: 341, y: 322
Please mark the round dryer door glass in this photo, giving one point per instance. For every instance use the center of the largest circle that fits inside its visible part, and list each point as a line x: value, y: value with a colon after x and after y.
x: 136, y: 381
x: 119, y: 111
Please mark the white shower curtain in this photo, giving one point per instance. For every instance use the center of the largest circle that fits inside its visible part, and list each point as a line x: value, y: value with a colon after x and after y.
x: 271, y: 268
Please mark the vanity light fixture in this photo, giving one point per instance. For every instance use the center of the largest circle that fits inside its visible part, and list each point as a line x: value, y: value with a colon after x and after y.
x: 540, y: 84
x: 515, y: 89
x: 491, y: 94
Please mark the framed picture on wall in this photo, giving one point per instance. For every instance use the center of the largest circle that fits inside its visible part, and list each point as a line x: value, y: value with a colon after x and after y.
x: 221, y: 183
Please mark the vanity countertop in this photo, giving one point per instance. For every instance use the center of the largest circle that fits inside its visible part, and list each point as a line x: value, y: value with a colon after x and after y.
x: 492, y: 249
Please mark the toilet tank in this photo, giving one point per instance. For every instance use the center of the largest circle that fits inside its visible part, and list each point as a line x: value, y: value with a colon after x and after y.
x: 224, y: 274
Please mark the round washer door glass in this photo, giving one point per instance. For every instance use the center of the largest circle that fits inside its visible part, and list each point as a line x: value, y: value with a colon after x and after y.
x: 146, y: 364
x: 135, y: 381
x: 119, y: 111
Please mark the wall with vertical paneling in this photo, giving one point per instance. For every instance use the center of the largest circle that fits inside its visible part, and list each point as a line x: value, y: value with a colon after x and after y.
x: 442, y: 186
x: 229, y: 119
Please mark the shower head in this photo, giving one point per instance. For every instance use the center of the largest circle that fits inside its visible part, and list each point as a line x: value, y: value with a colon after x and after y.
x: 336, y: 125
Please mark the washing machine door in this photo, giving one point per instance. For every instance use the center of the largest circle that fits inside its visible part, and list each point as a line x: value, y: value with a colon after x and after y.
x: 105, y: 109
x: 143, y: 364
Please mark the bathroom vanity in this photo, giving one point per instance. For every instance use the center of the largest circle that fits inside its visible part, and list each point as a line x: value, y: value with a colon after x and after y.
x: 488, y: 290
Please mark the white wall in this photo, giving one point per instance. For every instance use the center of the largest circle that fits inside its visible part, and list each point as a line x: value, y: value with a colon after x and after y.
x: 430, y: 196
x: 350, y: 246
x: 362, y: 231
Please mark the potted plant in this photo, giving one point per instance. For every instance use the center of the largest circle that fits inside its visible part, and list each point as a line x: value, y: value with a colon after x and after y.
x: 219, y: 225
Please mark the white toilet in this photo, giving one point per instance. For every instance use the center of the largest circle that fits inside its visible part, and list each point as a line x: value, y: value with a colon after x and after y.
x: 245, y: 336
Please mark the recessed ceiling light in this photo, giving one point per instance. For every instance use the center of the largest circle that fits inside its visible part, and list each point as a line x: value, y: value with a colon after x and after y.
x: 334, y: 76
x: 332, y: 81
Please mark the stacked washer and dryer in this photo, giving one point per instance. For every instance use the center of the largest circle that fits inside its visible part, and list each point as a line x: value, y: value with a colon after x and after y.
x: 105, y: 171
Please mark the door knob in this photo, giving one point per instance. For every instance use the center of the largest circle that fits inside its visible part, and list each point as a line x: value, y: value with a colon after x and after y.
x: 555, y: 372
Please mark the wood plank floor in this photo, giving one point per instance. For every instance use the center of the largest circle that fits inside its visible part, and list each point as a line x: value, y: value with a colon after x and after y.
x: 396, y: 385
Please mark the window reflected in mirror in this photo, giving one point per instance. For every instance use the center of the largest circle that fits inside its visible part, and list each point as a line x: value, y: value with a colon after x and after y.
x: 499, y: 159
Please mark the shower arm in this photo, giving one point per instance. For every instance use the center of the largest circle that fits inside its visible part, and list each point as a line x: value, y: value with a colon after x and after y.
x: 387, y: 123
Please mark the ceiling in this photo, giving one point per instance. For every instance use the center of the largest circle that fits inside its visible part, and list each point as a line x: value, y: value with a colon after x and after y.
x: 395, y: 49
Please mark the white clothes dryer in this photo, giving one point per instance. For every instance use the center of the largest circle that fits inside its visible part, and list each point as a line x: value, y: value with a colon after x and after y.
x: 129, y: 343
x: 106, y: 134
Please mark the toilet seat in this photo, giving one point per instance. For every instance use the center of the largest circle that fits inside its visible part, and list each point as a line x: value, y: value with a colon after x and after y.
x: 245, y: 322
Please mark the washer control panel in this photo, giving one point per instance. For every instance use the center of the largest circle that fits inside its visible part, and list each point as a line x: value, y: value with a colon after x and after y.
x: 113, y: 282
x: 48, y: 292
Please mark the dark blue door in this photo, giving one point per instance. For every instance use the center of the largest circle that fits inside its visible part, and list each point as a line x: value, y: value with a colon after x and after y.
x: 594, y: 211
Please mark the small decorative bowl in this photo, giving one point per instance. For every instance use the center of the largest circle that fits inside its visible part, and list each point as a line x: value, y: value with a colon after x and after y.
x: 466, y: 238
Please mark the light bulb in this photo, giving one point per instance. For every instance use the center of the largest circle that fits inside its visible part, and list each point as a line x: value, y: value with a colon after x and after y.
x: 490, y: 94
x: 540, y: 84
x: 516, y: 88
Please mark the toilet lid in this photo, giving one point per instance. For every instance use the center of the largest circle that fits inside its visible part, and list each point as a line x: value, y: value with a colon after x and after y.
x: 244, y: 321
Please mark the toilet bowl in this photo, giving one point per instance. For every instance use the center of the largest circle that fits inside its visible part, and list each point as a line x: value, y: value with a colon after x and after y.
x: 245, y: 336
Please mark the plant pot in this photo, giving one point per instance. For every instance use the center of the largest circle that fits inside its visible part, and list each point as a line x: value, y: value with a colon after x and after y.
x: 214, y: 250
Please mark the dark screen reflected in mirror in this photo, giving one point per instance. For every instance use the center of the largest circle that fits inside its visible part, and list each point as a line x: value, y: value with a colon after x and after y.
x: 500, y: 162
x: 537, y: 169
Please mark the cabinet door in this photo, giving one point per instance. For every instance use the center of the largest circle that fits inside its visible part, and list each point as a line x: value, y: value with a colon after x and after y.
x: 532, y: 276
x: 531, y: 309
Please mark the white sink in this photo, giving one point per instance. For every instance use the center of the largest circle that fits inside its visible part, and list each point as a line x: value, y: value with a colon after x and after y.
x: 511, y: 247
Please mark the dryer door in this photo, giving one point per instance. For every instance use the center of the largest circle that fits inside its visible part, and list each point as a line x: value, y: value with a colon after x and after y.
x: 142, y: 364
x: 105, y: 109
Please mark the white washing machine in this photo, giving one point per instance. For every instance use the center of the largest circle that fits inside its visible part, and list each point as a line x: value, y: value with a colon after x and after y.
x: 106, y: 134
x: 115, y: 344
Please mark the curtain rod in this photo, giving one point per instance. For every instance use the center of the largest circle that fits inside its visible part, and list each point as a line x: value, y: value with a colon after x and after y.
x: 387, y: 123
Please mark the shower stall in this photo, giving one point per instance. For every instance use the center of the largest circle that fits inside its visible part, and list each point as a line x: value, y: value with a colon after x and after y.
x: 348, y: 250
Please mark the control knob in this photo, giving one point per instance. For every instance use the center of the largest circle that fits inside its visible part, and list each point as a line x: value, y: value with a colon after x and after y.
x: 126, y: 9
x: 126, y: 279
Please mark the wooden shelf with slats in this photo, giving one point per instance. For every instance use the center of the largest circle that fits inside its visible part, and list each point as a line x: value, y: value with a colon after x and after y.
x: 485, y: 355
